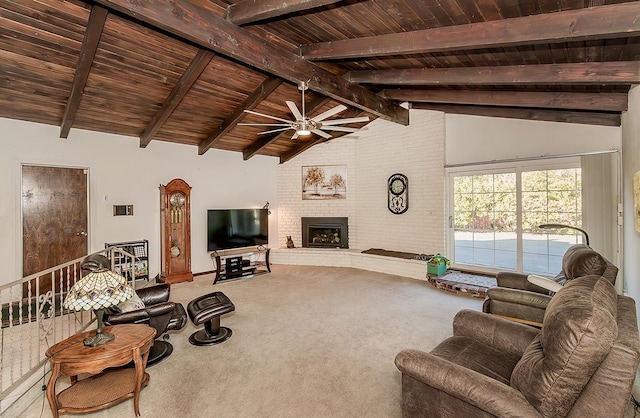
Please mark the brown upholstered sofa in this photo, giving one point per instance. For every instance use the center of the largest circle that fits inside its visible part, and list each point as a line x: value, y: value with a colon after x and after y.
x: 582, y: 363
x: 515, y: 297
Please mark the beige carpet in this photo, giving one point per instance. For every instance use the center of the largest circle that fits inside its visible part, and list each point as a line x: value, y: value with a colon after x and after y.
x: 307, y: 342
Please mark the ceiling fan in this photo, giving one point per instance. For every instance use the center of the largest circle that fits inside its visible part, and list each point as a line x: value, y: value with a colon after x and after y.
x: 304, y: 125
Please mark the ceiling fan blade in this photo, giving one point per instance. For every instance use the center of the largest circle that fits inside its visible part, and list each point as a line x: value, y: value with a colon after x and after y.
x: 294, y: 110
x: 275, y: 130
x: 329, y: 113
x: 321, y: 133
x: 340, y: 128
x: 265, y: 124
x: 266, y: 116
x: 295, y: 135
x: 346, y: 120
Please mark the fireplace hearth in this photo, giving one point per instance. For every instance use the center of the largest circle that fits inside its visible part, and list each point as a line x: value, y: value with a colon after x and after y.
x: 326, y: 232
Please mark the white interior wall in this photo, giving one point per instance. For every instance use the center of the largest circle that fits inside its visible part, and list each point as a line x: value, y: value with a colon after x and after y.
x: 416, y: 151
x: 371, y: 156
x: 120, y: 172
x: 631, y: 165
x: 478, y: 139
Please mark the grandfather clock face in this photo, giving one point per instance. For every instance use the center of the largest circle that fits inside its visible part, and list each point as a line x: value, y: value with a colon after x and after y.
x: 398, y: 193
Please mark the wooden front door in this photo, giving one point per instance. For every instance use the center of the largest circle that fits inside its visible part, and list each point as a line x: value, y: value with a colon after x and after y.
x: 54, y: 218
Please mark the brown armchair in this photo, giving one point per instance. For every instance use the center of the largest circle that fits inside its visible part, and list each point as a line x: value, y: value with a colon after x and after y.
x: 582, y: 363
x: 516, y: 298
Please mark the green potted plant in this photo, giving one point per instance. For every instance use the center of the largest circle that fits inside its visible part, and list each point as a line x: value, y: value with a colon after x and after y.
x: 437, y: 265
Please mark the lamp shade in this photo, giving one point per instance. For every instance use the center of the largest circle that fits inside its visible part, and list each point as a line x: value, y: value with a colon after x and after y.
x: 99, y: 289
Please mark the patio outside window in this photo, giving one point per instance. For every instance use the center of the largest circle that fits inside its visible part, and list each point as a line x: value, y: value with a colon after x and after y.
x: 495, y: 218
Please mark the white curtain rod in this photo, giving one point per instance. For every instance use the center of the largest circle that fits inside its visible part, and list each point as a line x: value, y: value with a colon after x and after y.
x: 541, y: 157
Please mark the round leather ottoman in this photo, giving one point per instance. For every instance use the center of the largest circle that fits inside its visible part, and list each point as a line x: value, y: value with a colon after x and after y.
x: 207, y: 309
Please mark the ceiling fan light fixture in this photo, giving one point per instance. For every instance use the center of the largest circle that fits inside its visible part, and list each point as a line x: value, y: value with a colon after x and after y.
x: 304, y: 125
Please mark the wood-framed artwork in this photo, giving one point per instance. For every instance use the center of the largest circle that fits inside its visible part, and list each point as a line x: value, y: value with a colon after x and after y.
x: 322, y: 182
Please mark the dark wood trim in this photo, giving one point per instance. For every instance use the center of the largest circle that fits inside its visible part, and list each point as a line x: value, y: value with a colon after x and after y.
x: 615, y: 102
x: 95, y: 25
x: 198, y: 23
x: 259, y: 94
x: 249, y: 11
x: 604, y: 22
x: 567, y: 116
x: 583, y: 73
x: 197, y: 65
x: 262, y: 142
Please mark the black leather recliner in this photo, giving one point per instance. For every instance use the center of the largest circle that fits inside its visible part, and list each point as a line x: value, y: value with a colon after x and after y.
x: 159, y: 313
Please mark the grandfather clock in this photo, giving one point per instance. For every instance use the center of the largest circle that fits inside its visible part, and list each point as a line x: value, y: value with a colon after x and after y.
x: 175, y: 232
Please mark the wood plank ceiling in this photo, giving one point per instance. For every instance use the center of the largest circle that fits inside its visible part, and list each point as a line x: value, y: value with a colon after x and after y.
x: 185, y: 71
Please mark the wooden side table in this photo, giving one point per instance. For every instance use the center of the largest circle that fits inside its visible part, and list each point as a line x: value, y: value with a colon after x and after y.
x: 104, y: 388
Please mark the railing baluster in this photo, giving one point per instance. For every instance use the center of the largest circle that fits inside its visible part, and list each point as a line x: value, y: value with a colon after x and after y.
x: 29, y: 327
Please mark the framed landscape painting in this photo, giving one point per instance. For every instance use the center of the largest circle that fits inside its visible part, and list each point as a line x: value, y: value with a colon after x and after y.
x: 321, y: 182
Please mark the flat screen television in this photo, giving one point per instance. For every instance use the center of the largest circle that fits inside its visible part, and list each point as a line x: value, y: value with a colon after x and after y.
x: 236, y: 228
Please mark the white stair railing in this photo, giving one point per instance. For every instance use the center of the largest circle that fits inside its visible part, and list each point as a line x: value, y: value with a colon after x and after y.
x: 32, y: 320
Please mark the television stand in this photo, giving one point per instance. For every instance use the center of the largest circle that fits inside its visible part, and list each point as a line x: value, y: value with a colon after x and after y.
x: 240, y: 263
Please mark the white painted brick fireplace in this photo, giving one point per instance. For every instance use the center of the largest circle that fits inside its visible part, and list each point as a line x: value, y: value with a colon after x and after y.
x: 371, y: 156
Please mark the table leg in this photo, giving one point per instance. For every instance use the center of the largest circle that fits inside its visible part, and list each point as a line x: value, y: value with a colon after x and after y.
x: 51, y: 390
x: 140, y: 362
x: 137, y: 359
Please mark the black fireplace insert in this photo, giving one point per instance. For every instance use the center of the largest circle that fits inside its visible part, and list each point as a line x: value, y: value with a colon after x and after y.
x: 327, y: 232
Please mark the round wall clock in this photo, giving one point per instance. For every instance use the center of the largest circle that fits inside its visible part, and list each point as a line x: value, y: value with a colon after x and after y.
x: 398, y: 193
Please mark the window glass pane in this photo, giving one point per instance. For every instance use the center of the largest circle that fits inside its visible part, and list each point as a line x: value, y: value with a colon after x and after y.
x: 505, y: 182
x: 483, y: 184
x: 562, y: 179
x: 462, y: 219
x: 534, y: 181
x: 534, y: 201
x: 550, y: 196
x: 486, y: 230
x: 483, y: 257
x: 531, y: 220
x: 504, y: 201
x: 507, y: 260
x: 506, y: 221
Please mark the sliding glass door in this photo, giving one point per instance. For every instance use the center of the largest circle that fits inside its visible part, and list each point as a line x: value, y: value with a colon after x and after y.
x: 496, y: 214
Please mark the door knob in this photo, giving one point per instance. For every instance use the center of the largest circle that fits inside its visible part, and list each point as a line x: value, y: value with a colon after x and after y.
x: 82, y: 234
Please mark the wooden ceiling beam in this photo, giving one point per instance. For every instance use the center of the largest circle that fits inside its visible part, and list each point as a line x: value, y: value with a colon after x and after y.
x: 603, y: 22
x: 249, y: 11
x: 259, y: 94
x: 182, y: 87
x: 262, y: 142
x: 351, y: 113
x: 95, y: 25
x: 198, y: 22
x: 567, y: 116
x: 583, y: 73
x: 615, y: 102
